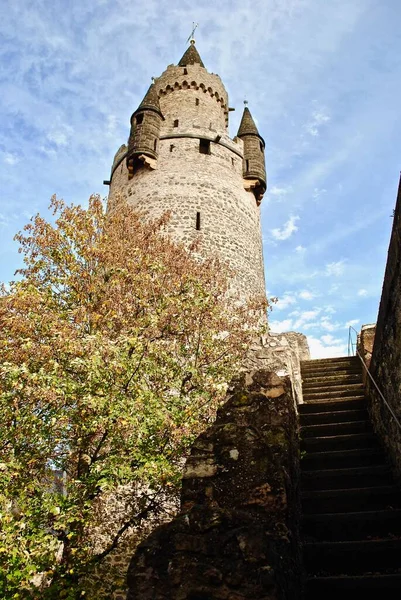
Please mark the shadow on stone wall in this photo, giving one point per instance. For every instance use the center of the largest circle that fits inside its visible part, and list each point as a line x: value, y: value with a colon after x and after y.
x: 386, y: 355
x: 237, y: 535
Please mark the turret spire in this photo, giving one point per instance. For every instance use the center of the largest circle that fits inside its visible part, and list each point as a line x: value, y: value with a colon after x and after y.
x: 191, y: 56
x: 247, y: 125
x: 150, y: 101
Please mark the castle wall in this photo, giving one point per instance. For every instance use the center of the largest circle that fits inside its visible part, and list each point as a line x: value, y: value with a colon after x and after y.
x: 237, y: 536
x: 386, y: 355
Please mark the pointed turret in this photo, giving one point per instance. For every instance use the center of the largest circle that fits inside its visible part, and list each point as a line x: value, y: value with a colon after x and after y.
x: 191, y: 57
x: 254, y: 170
x: 150, y: 101
x: 145, y: 132
x: 247, y: 125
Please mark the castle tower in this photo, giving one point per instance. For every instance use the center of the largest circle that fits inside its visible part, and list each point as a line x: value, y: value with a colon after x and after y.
x: 181, y: 159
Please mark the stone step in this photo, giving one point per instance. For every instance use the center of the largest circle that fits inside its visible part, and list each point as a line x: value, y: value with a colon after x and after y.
x: 317, y: 362
x: 329, y: 382
x: 338, y: 416
x: 352, y: 557
x: 330, y: 479
x: 338, y: 459
x: 336, y: 392
x: 312, y: 365
x: 339, y: 442
x: 357, y: 403
x: 352, y: 525
x: 324, y: 373
x: 331, y: 429
x: 348, y: 587
x: 351, y: 500
x: 333, y: 386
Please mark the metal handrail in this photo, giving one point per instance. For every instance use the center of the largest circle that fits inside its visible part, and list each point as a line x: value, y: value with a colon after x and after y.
x: 351, y: 346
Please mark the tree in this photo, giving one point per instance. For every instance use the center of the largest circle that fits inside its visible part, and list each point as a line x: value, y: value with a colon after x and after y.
x: 116, y: 346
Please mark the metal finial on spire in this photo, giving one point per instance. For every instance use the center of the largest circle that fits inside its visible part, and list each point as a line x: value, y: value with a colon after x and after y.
x: 246, y: 102
x: 191, y: 37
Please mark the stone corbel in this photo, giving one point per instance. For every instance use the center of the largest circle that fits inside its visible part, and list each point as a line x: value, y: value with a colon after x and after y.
x: 149, y: 162
x: 254, y: 185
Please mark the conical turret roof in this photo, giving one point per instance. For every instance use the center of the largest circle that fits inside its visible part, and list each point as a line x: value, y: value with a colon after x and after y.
x: 191, y: 57
x: 247, y: 125
x: 150, y: 101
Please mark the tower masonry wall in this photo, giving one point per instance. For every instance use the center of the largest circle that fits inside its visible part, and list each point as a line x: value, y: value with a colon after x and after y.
x: 200, y: 184
x: 178, y: 92
x: 147, y: 134
x: 254, y: 155
x: 187, y: 182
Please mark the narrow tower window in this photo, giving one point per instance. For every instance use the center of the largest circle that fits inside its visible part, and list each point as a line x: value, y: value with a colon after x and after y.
x: 247, y: 165
x: 204, y: 146
x: 185, y: 71
x: 232, y: 161
x: 171, y: 147
x: 139, y: 119
x: 197, y: 101
x: 176, y: 123
x: 198, y: 223
x: 155, y: 145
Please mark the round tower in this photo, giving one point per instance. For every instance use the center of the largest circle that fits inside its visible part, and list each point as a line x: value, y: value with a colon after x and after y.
x: 181, y: 159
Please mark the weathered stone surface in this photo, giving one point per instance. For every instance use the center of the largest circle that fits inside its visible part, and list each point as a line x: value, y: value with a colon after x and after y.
x: 282, y: 353
x: 194, y: 105
x: 237, y: 535
x: 386, y: 354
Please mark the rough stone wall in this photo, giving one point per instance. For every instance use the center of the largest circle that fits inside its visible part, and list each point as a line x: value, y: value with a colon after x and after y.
x: 178, y: 92
x: 237, y: 535
x: 254, y: 154
x: 365, y: 343
x: 282, y: 353
x: 386, y: 355
x: 186, y: 181
x: 144, y: 135
x: 108, y: 582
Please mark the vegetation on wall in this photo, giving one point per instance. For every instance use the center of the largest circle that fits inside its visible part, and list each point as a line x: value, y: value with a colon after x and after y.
x: 115, y: 349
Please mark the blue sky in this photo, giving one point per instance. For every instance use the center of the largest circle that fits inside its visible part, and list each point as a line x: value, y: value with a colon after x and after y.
x: 323, y: 81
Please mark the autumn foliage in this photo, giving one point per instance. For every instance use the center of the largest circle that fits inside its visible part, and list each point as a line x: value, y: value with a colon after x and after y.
x: 115, y: 349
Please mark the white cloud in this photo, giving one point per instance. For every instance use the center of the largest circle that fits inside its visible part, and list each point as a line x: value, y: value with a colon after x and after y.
x: 4, y: 220
x: 318, y: 119
x: 335, y: 268
x: 317, y: 193
x: 281, y: 326
x: 351, y: 323
x: 287, y: 230
x: 286, y: 301
x: 328, y: 325
x: 10, y: 158
x: 306, y: 295
x: 59, y: 138
x: 279, y: 192
x: 362, y: 292
x: 308, y: 315
x: 305, y: 317
x: 326, y: 347
x: 300, y: 249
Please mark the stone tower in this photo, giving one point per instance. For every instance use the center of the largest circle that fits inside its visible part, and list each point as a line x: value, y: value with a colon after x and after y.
x: 181, y: 159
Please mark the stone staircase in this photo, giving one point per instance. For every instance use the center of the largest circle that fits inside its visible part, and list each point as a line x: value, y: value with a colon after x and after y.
x: 351, y: 523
